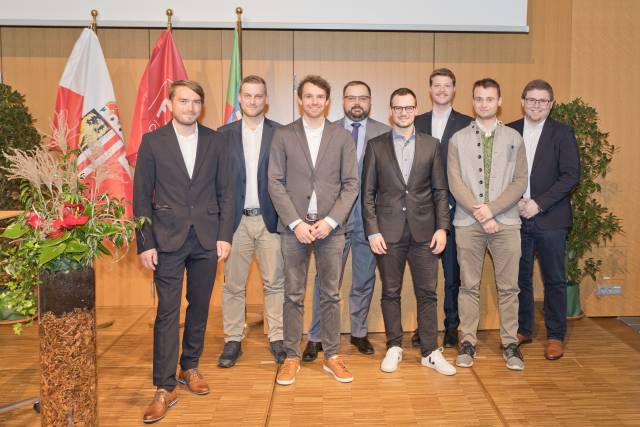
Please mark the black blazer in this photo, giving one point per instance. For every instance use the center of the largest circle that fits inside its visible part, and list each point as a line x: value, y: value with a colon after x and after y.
x: 232, y: 133
x: 456, y: 122
x: 554, y: 174
x: 387, y: 201
x: 163, y: 191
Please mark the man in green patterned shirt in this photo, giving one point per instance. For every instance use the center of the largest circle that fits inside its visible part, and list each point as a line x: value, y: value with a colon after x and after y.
x: 487, y: 171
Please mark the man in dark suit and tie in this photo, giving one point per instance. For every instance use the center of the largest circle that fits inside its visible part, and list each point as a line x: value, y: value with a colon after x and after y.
x: 545, y: 209
x: 313, y: 183
x: 181, y: 184
x: 441, y: 123
x: 255, y: 224
x: 406, y: 218
x: 356, y: 103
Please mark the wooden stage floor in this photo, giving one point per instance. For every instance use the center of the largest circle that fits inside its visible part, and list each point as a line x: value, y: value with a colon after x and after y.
x: 597, y: 383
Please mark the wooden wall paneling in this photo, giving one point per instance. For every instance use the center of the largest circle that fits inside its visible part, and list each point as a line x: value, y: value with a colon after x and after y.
x: 32, y: 62
x: 604, y: 72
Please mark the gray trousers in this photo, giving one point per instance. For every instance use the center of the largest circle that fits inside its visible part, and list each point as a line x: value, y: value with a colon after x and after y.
x: 505, y: 250
x: 252, y: 237
x: 328, y: 254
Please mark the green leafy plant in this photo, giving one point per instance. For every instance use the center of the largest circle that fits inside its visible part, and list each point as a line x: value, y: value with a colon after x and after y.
x: 67, y: 223
x: 593, y: 223
x: 16, y: 131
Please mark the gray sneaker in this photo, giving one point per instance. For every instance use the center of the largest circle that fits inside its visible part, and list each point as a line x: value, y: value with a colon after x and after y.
x: 511, y: 354
x: 466, y: 354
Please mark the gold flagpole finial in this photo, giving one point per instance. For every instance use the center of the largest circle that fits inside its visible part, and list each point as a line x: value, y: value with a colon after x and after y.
x: 238, y: 12
x: 94, y: 24
x: 169, y: 16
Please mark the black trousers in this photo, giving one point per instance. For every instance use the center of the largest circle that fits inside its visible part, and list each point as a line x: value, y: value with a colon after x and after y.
x: 424, y: 271
x: 200, y: 265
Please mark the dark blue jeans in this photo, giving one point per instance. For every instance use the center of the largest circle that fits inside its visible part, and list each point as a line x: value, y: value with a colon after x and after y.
x: 550, y: 246
x: 451, y: 271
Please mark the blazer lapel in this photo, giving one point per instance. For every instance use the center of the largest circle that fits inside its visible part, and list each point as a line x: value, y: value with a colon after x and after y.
x: 174, y: 149
x: 302, y: 141
x: 394, y: 160
x: 417, y: 152
x: 451, y: 123
x: 324, y: 141
x: 429, y: 118
x: 237, y: 146
x: 201, y: 151
x: 545, y: 137
x: 267, y: 134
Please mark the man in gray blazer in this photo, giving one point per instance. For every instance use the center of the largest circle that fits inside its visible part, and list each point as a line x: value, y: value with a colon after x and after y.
x: 356, y: 102
x: 487, y: 170
x: 313, y: 183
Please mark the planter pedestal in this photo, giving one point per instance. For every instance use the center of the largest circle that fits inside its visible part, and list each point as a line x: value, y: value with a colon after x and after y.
x: 68, y: 382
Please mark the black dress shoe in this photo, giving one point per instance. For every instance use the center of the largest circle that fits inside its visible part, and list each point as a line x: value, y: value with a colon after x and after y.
x: 450, y: 338
x: 310, y: 352
x: 278, y: 351
x: 230, y: 354
x: 362, y: 344
x: 415, y: 339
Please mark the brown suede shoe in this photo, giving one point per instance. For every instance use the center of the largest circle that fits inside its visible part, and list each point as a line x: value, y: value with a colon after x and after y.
x: 554, y: 350
x: 162, y: 401
x: 194, y: 381
x: 336, y: 367
x: 288, y: 371
x: 523, y: 339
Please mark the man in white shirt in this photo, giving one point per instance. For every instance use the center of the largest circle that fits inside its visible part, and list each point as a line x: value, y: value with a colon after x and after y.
x: 545, y: 210
x: 255, y: 224
x: 313, y: 183
x: 441, y: 123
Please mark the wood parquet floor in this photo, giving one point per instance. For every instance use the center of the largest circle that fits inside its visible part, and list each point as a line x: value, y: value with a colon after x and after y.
x: 597, y: 383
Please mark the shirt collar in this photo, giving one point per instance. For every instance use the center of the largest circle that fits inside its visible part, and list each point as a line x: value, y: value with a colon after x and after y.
x: 488, y: 132
x: 397, y: 136
x: 188, y: 137
x: 444, y: 115
x: 348, y: 122
x: 534, y: 126
x: 258, y: 128
x: 307, y: 128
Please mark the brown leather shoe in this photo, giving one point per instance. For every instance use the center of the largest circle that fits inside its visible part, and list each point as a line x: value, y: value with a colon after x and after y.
x: 194, y: 381
x: 523, y: 339
x: 554, y: 350
x: 162, y: 401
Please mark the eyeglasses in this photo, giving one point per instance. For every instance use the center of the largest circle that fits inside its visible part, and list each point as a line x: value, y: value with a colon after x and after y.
x: 363, y: 98
x: 534, y: 101
x: 398, y: 109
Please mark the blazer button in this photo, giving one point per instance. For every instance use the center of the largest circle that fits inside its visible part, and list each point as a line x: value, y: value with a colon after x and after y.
x: 479, y: 169
x: 404, y: 209
x: 480, y: 182
x: 479, y: 156
x: 406, y: 191
x: 191, y: 206
x: 477, y: 131
x: 478, y: 143
x: 308, y: 197
x: 480, y: 195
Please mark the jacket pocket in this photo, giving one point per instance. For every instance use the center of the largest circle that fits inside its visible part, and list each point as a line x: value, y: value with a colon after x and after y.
x: 212, y: 209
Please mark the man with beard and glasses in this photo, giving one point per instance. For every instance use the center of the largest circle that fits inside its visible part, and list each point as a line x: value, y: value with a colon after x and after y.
x: 313, y: 183
x: 182, y: 184
x: 356, y: 103
x: 406, y: 218
x: 255, y: 224
x: 441, y: 123
x: 487, y: 168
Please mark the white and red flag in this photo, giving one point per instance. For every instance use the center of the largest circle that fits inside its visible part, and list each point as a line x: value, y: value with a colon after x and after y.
x: 151, y: 110
x: 86, y: 108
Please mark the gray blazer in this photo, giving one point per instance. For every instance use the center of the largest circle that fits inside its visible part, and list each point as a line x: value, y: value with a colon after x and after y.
x: 508, y: 174
x: 374, y: 128
x: 293, y: 177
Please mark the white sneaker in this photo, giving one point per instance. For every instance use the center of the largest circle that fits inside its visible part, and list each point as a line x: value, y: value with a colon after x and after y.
x: 391, y: 360
x: 436, y: 361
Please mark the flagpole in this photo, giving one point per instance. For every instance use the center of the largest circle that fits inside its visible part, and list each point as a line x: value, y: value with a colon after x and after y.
x: 169, y: 15
x: 239, y: 28
x: 94, y: 24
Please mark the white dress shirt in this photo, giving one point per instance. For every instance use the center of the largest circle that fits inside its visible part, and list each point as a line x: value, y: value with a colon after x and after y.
x: 188, y: 148
x: 251, y: 141
x: 531, y: 135
x: 439, y: 123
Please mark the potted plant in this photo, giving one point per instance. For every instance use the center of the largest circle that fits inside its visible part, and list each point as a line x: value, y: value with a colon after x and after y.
x: 66, y: 224
x: 593, y: 223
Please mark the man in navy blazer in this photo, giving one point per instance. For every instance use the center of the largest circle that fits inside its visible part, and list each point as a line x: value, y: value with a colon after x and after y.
x: 554, y: 171
x: 441, y: 123
x: 255, y: 224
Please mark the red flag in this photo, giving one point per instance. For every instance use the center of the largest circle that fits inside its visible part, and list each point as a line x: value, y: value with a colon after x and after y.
x: 151, y: 111
x: 86, y: 110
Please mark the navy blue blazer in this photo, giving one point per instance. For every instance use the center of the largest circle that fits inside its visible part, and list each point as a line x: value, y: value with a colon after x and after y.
x: 232, y: 134
x: 554, y: 174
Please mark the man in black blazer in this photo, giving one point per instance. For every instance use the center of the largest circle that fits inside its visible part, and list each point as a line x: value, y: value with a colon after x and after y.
x: 406, y: 217
x: 255, y: 224
x: 441, y: 123
x: 554, y: 171
x: 181, y: 184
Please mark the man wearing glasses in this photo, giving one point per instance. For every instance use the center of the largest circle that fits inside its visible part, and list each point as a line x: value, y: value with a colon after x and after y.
x: 406, y: 217
x: 356, y: 102
x: 545, y: 210
x: 487, y: 170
